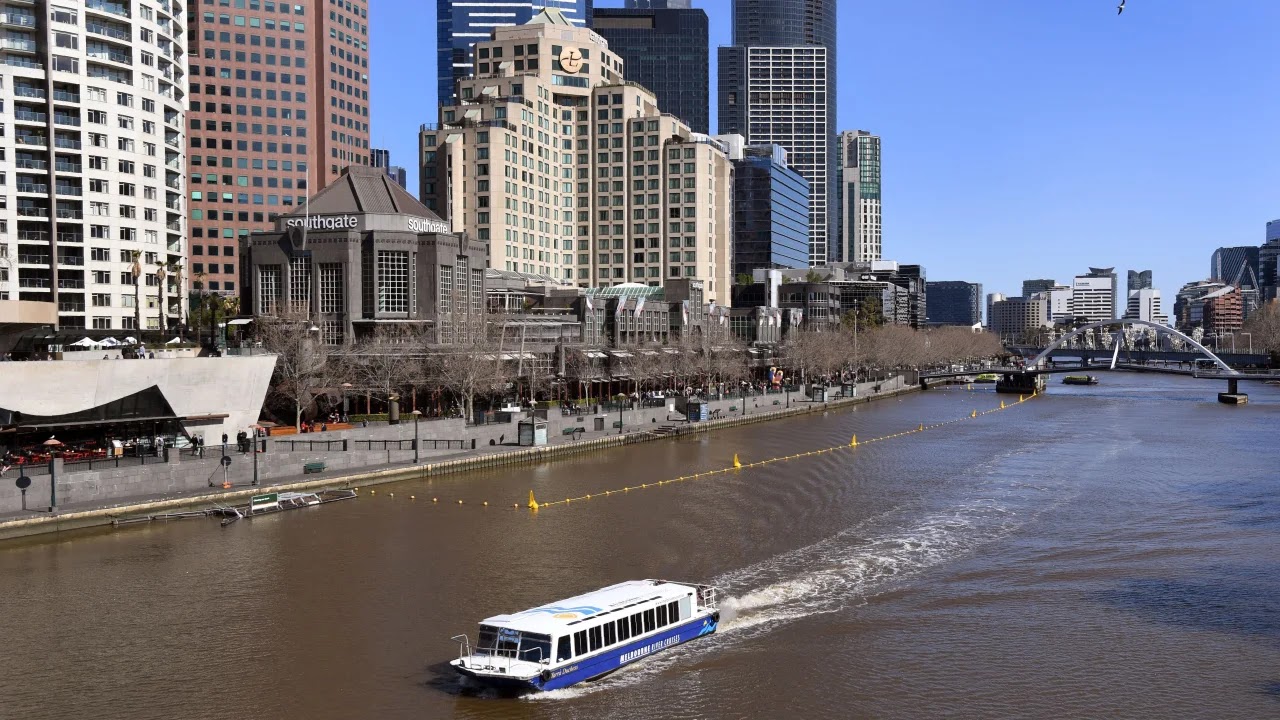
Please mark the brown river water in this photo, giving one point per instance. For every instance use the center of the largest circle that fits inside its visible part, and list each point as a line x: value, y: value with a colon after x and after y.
x: 1108, y: 551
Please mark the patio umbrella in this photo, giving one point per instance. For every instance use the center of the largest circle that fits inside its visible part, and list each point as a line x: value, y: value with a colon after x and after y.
x: 84, y: 342
x: 131, y: 341
x: 109, y: 342
x: 52, y: 442
x: 174, y: 341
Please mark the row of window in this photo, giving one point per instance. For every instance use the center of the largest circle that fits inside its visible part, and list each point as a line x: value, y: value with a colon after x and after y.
x: 618, y: 631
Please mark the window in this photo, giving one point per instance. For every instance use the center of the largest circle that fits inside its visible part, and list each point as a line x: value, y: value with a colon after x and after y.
x: 610, y: 634
x: 662, y: 615
x: 300, y: 284
x: 637, y: 626
x: 268, y: 289
x: 563, y: 651
x: 596, y: 638
x: 580, y: 643
x: 393, y: 281
x: 650, y: 620
x: 331, y: 288
x: 624, y: 629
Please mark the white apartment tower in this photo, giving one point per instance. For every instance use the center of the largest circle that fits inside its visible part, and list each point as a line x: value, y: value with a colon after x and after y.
x: 92, y: 99
x: 859, y: 194
x: 566, y: 170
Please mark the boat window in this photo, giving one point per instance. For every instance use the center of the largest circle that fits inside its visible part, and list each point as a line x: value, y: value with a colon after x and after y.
x: 508, y: 641
x: 673, y: 610
x: 662, y: 615
x: 596, y: 637
x: 610, y: 633
x: 488, y: 637
x: 650, y: 623
x: 624, y: 629
x: 562, y: 649
x: 535, y: 647
x: 636, y: 627
x: 580, y: 642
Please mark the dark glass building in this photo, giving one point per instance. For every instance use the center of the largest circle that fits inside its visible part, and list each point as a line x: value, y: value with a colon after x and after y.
x: 770, y: 212
x: 954, y: 302
x: 778, y: 86
x: 1235, y: 266
x: 459, y: 25
x: 664, y: 47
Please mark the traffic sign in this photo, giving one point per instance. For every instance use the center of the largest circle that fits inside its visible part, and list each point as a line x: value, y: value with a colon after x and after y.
x: 226, y: 460
x: 23, y: 482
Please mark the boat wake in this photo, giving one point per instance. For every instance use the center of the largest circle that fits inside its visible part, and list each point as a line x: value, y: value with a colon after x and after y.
x: 855, y: 565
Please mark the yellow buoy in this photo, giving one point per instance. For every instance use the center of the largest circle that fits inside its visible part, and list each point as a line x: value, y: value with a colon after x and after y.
x: 533, y: 504
x: 854, y: 441
x: 973, y: 414
x: 736, y: 463
x: 921, y: 428
x: 1001, y: 404
x: 1021, y: 398
x: 486, y: 503
x: 459, y: 502
x: 413, y: 497
x: 373, y: 492
x: 391, y: 494
x: 435, y: 500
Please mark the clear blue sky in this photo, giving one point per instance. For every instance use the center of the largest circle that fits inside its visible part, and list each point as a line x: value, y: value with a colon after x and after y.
x: 1021, y: 139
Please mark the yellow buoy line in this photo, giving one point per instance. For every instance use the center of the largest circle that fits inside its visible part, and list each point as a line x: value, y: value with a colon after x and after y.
x: 739, y: 465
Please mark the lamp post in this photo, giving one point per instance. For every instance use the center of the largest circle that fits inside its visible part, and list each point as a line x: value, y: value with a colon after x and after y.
x: 416, y: 414
x: 619, y: 417
x: 52, y: 443
x: 254, y: 431
x: 1250, y: 335
x: 345, y: 410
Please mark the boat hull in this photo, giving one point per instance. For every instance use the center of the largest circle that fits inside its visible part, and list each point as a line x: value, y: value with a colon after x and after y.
x: 601, y: 664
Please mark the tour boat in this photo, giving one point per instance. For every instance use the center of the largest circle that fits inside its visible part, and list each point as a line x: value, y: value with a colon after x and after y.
x: 986, y: 378
x: 586, y: 637
x: 1080, y: 380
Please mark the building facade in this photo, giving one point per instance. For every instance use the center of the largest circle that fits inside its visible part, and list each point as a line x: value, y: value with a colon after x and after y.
x: 570, y: 171
x: 1223, y: 314
x: 279, y: 107
x: 770, y: 210
x: 1139, y: 280
x: 1031, y: 287
x: 460, y: 25
x: 364, y: 254
x: 1145, y: 304
x: 91, y: 210
x: 858, y: 197
x: 954, y: 302
x: 1013, y: 318
x: 992, y: 299
x: 777, y: 86
x: 1093, y: 295
x: 1188, y: 305
x: 664, y: 48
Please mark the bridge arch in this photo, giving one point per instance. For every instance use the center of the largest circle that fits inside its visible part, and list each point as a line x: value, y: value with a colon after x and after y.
x: 1035, y: 362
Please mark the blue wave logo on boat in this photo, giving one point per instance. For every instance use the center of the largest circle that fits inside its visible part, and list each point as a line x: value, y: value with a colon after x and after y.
x: 708, y: 627
x: 584, y: 610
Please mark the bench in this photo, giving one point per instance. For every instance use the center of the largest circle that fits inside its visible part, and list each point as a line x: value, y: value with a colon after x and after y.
x: 777, y: 402
x: 572, y: 430
x: 313, y: 467
x: 617, y: 423
x: 733, y: 408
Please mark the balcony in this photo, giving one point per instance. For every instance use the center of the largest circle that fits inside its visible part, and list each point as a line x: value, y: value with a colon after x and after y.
x: 70, y: 307
x: 40, y: 236
x: 75, y: 260
x: 70, y: 237
x: 28, y: 259
x: 31, y: 164
x: 116, y: 57
x: 70, y: 284
x: 66, y: 120
x: 174, y: 225
x: 18, y: 19
x: 64, y: 96
x: 33, y: 282
x: 33, y: 212
x: 37, y: 140
x: 108, y: 7
x: 29, y: 91
x: 70, y: 214
x: 70, y: 190
x: 107, y: 31
x: 68, y: 167
x: 16, y: 61
x: 67, y: 143
x: 38, y: 188
x: 24, y: 115
x: 12, y: 43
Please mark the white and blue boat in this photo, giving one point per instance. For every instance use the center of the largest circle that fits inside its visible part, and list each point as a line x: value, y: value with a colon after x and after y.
x: 586, y: 637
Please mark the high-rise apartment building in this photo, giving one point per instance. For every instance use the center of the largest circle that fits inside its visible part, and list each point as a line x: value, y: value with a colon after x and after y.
x: 770, y: 209
x: 858, y: 197
x: 992, y: 299
x: 93, y: 99
x: 1235, y: 266
x: 565, y: 169
x: 954, y: 302
x: 460, y: 25
x: 778, y: 87
x: 1031, y: 287
x: 1144, y: 304
x: 664, y: 47
x: 1013, y: 318
x: 279, y: 107
x: 1139, y: 280
x: 381, y: 158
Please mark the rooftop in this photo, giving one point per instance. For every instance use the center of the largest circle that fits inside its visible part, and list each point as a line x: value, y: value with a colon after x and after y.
x: 364, y: 190
x: 554, y: 619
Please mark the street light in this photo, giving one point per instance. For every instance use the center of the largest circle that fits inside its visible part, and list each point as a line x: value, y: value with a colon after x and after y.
x: 1250, y: 341
x: 345, y: 410
x: 52, y: 443
x: 416, y: 414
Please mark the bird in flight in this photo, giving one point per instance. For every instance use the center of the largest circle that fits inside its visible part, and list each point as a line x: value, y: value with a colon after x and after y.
x: 1120, y: 7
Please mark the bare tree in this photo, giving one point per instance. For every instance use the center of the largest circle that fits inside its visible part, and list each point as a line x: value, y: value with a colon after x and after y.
x: 302, y: 359
x: 470, y: 367
x: 385, y: 361
x: 1264, y: 326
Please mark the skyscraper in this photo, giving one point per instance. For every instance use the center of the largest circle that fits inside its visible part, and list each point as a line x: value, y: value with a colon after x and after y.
x: 279, y: 107
x: 1094, y: 295
x: 778, y: 87
x: 663, y: 46
x: 858, y: 195
x: 770, y: 209
x: 1031, y: 287
x: 93, y: 139
x: 1235, y: 266
x: 1139, y: 280
x: 459, y: 25
x: 649, y: 200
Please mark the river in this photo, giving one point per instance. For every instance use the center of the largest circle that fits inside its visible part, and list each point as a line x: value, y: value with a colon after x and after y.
x: 1107, y: 551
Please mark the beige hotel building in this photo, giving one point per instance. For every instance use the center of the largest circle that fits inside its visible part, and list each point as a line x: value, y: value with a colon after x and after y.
x: 565, y: 169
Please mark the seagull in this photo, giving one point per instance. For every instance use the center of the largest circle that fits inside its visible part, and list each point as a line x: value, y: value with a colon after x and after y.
x: 1120, y: 7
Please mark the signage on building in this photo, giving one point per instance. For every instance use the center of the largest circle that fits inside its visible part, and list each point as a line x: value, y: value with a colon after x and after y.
x: 422, y: 225
x: 324, y: 222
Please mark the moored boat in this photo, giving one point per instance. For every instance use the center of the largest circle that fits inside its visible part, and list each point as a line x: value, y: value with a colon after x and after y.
x: 586, y: 637
x: 987, y: 378
x: 1080, y: 380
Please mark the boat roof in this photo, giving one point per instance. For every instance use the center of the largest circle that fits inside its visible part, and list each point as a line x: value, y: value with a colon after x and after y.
x: 555, y: 618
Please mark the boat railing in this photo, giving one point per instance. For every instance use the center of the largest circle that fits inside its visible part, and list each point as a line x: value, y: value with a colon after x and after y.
x: 707, y: 595
x: 498, y: 659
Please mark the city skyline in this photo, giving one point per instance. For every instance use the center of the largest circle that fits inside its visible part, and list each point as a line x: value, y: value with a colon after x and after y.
x: 1123, y: 196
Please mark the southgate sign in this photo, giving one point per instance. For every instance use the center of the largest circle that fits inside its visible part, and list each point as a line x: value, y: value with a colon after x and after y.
x: 415, y: 225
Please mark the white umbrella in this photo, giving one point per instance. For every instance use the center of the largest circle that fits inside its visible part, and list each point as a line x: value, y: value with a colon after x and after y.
x: 174, y: 341
x: 84, y: 342
x: 131, y: 341
x: 109, y: 342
